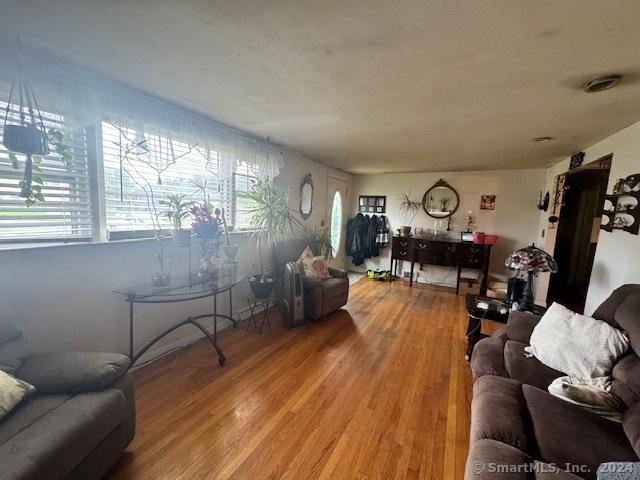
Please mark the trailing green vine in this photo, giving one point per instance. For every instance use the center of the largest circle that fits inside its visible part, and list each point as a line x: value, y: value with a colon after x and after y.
x: 37, y: 182
x: 60, y: 148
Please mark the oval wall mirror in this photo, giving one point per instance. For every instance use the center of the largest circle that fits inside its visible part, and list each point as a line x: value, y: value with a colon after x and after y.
x: 306, y: 196
x: 441, y: 200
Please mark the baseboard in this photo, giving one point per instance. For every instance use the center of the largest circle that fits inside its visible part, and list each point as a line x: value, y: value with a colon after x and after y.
x: 155, y: 353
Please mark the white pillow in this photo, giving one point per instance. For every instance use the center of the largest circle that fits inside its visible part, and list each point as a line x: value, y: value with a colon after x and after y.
x: 12, y: 391
x: 580, y: 346
x: 306, y: 255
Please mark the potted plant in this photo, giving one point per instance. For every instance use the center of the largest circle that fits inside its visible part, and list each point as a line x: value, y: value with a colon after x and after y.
x: 177, y: 210
x: 205, y: 224
x: 321, y: 238
x: 270, y: 219
x: 410, y: 209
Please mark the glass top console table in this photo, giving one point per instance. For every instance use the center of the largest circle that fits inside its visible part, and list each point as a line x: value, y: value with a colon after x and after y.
x: 182, y: 289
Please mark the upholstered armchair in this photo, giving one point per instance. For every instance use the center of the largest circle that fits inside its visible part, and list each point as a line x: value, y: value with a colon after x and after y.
x: 321, y: 297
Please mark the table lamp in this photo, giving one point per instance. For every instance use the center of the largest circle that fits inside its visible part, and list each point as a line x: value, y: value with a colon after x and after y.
x: 531, y: 260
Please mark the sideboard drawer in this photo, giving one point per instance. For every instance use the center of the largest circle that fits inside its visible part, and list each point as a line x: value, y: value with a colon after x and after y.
x: 473, y: 256
x: 402, y: 243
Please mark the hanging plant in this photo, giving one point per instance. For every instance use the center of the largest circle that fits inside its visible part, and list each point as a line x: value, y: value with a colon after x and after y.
x: 23, y: 132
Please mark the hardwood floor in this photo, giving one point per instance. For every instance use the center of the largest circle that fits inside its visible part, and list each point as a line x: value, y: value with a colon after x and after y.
x: 377, y: 390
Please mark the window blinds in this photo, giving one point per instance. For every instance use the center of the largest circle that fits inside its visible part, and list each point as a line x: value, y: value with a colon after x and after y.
x: 66, y: 214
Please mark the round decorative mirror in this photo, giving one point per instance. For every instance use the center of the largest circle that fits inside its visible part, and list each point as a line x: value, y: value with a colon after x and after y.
x: 306, y: 196
x: 441, y: 200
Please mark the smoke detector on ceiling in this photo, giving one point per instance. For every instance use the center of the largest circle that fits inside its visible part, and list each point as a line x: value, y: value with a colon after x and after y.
x: 600, y: 84
x: 541, y: 139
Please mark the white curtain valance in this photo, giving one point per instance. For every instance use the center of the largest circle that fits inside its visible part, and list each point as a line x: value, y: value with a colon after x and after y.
x: 86, y: 98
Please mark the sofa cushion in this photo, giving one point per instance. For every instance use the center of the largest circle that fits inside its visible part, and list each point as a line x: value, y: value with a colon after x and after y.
x: 32, y: 409
x: 8, y: 332
x: 487, y: 456
x: 559, y: 428
x: 499, y: 412
x: 525, y: 369
x: 488, y: 357
x: 54, y: 444
x: 607, y: 310
x: 12, y: 353
x: 547, y: 471
x: 521, y: 325
x: 626, y: 379
x: 73, y: 372
x: 628, y: 318
x: 631, y: 425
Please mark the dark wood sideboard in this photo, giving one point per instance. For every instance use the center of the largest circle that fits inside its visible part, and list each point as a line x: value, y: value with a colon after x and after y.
x: 442, y: 252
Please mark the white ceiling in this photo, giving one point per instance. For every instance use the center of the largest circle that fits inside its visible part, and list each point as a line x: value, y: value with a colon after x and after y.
x: 368, y: 86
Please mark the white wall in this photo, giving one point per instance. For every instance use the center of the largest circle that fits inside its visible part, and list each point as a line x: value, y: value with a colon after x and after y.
x: 61, y: 296
x: 617, y: 259
x: 515, y: 220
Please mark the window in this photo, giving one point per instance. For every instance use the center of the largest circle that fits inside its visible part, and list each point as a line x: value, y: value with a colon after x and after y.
x: 66, y: 213
x: 244, y: 179
x: 154, y: 167
x: 130, y: 174
x: 336, y: 222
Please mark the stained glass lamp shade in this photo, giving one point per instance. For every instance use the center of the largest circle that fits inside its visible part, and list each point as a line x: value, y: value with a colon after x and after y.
x: 531, y: 260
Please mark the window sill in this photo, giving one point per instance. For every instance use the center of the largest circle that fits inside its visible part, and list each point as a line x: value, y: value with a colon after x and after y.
x: 127, y: 241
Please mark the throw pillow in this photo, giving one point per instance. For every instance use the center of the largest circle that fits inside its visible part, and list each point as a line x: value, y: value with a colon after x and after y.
x: 316, y: 268
x: 306, y: 255
x: 580, y: 346
x: 12, y: 392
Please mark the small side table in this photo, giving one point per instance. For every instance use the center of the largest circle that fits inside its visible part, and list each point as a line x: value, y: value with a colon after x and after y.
x: 257, y: 318
x: 497, y: 310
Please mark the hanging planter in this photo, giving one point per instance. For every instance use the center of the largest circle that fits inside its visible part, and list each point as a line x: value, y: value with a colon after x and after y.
x: 23, y: 129
x: 25, y: 139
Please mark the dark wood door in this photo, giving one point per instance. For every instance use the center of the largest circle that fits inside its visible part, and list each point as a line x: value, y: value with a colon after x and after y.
x: 577, y: 237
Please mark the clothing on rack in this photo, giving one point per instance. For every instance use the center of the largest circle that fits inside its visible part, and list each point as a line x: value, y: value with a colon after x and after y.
x: 382, y: 239
x: 365, y: 237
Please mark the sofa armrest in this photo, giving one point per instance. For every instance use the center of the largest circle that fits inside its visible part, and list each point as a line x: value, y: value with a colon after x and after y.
x: 520, y: 326
x: 73, y: 372
x: 308, y: 282
x: 338, y: 273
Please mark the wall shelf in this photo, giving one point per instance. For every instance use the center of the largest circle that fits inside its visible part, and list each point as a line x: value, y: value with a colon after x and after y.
x: 624, y: 213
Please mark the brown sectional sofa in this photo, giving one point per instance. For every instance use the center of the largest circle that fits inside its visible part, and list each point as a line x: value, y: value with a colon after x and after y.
x: 520, y: 431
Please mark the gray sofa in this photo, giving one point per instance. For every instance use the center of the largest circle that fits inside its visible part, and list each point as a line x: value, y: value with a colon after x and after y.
x: 321, y: 297
x: 79, y: 421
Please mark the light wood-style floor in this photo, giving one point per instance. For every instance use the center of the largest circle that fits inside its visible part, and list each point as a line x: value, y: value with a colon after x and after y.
x: 378, y: 390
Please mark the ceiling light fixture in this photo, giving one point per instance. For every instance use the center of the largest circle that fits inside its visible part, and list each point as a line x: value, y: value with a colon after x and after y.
x: 541, y: 139
x: 600, y: 84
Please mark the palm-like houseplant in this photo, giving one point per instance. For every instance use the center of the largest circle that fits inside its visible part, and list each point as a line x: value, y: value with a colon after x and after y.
x: 178, y: 209
x: 409, y: 208
x: 271, y: 219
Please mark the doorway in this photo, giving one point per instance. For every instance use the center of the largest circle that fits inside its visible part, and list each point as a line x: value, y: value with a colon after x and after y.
x: 578, y: 229
x: 336, y: 217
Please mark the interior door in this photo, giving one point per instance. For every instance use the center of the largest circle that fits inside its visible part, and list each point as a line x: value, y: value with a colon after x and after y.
x: 577, y: 236
x: 336, y: 217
